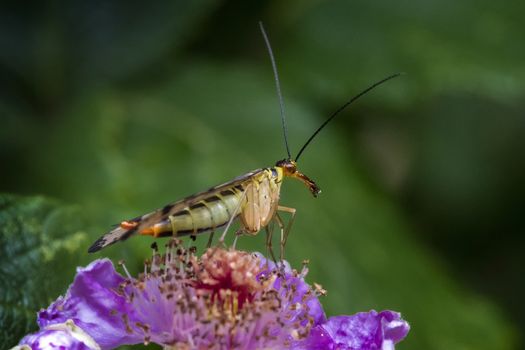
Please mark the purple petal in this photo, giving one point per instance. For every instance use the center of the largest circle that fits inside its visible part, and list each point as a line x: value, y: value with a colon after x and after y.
x: 362, y: 331
x: 59, y: 336
x: 93, y: 303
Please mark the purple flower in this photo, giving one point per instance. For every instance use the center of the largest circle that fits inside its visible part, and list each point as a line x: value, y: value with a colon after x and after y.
x: 225, y: 299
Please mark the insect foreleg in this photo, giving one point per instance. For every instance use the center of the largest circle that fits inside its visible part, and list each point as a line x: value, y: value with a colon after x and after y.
x: 285, y: 230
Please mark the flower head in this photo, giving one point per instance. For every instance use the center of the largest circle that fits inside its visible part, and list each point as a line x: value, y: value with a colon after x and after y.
x: 224, y: 299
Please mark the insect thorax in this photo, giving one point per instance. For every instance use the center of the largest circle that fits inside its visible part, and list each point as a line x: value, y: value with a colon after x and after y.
x: 261, y: 199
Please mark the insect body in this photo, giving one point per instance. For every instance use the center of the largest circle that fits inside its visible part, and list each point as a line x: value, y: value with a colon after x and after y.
x: 253, y: 198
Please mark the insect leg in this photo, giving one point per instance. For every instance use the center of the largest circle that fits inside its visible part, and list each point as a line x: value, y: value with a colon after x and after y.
x: 285, y: 231
x: 238, y: 233
x: 280, y: 222
x: 233, y: 216
x: 210, y: 240
x: 269, y: 250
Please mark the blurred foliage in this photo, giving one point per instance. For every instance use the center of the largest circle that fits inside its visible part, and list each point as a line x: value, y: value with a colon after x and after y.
x: 121, y: 108
x: 38, y: 237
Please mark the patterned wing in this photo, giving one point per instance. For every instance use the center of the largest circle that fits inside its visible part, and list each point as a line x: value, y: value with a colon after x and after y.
x: 140, y: 223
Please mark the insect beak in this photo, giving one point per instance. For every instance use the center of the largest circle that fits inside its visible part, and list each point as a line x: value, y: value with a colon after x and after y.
x: 312, y: 186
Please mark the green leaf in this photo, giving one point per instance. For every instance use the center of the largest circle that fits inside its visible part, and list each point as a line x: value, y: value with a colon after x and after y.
x: 40, y: 246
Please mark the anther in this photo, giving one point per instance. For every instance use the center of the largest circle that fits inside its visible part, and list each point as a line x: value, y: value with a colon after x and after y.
x: 121, y: 263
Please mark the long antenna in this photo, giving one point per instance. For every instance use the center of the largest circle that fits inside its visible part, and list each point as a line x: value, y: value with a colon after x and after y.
x: 278, y: 86
x: 371, y: 87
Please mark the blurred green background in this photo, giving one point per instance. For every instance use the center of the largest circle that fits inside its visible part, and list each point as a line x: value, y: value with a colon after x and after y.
x: 111, y: 109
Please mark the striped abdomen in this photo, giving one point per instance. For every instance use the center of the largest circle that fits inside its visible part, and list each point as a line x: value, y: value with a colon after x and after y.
x: 206, y: 215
